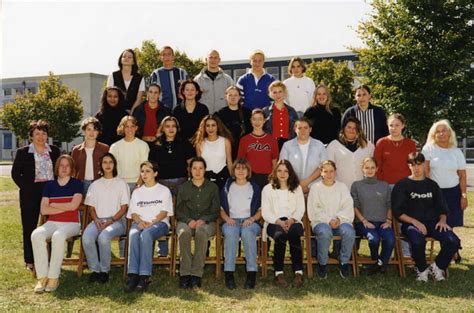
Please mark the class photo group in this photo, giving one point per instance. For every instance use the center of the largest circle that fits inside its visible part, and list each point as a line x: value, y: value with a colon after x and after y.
x: 254, y: 160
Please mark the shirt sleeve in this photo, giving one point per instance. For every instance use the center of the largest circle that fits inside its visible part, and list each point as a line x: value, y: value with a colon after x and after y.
x: 142, y: 85
x: 461, y: 161
x: 355, y: 196
x: 168, y: 202
x: 125, y: 193
x: 132, y: 207
x: 91, y: 197
x: 346, y: 208
x: 398, y: 199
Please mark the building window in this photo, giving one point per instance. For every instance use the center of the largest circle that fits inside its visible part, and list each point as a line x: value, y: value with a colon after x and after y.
x: 7, y: 141
x: 274, y: 71
x: 7, y: 92
x: 284, y: 72
x: 239, y: 72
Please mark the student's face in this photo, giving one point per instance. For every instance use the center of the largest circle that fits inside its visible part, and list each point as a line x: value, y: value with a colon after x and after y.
x: 241, y: 172
x: 277, y: 94
x: 129, y: 129
x: 232, y: 97
x: 211, y: 127
x: 167, y: 57
x: 64, y: 169
x: 321, y: 96
x: 107, y: 165
x: 90, y: 132
x: 302, y: 130
x: 328, y: 173
x: 112, y: 98
x: 170, y: 129
x: 198, y: 170
x: 39, y: 137
x: 257, y: 61
x: 369, y: 169
x: 350, y: 131
x: 213, y: 60
x: 257, y: 121
x: 147, y: 174
x: 395, y: 127
x: 417, y: 170
x: 190, y: 92
x: 153, y: 94
x: 362, y: 97
x: 442, y: 134
x: 127, y: 58
x: 296, y: 69
x: 282, y: 173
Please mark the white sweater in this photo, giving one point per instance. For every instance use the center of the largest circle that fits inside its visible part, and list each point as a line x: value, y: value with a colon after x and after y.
x: 329, y: 202
x: 300, y: 92
x: 129, y: 156
x: 269, y: 204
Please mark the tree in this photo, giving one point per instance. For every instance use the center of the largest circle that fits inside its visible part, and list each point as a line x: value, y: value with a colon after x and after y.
x: 418, y: 58
x: 53, y: 102
x: 338, y: 77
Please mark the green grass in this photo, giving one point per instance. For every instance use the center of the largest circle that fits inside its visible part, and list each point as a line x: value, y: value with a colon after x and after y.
x: 387, y: 293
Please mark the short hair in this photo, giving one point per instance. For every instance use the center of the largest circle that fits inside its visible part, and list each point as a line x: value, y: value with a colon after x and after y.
x: 114, y: 160
x: 257, y: 52
x: 327, y: 162
x: 134, y: 66
x: 397, y: 116
x: 369, y: 159
x: 166, y: 47
x: 91, y: 120
x: 39, y: 125
x: 161, y: 137
x: 213, y: 51
x: 293, y: 181
x: 195, y: 84
x: 155, y: 85
x: 416, y: 158
x: 304, y: 119
x: 151, y: 164
x: 197, y: 159
x: 122, y: 123
x: 70, y: 160
x: 258, y: 111
x: 245, y: 163
x: 278, y: 84
x: 300, y: 61
x: 432, y: 132
x: 364, y: 87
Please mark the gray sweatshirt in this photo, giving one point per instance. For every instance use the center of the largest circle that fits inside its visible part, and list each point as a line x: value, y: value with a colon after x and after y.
x: 372, y: 198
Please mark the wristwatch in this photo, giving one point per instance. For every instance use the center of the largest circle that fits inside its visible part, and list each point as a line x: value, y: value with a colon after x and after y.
x: 464, y: 195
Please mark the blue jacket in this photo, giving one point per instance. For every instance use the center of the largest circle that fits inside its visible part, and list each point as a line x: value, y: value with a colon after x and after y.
x: 268, y: 111
x: 254, y: 204
x: 255, y: 96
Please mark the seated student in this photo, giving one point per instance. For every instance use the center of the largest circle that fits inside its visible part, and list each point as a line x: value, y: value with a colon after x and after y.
x: 107, y: 199
x: 331, y: 212
x: 151, y: 206
x: 417, y: 201
x: 374, y: 215
x: 240, y: 199
x: 283, y: 210
x: 60, y: 202
x: 197, y: 209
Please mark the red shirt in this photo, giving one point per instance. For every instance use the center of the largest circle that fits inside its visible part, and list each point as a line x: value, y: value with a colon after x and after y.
x: 150, y: 121
x: 280, y: 123
x: 392, y: 157
x: 259, y: 151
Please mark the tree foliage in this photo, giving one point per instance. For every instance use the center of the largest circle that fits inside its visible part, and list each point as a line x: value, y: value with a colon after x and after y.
x: 338, y: 77
x: 418, y: 58
x: 53, y: 102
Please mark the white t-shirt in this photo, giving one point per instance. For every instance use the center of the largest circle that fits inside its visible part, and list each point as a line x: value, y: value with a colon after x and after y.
x: 444, y: 164
x: 148, y: 202
x: 240, y: 198
x: 107, y: 196
x: 129, y: 155
x: 300, y: 92
x: 214, y: 154
x: 89, y: 172
x: 304, y: 151
x: 111, y: 83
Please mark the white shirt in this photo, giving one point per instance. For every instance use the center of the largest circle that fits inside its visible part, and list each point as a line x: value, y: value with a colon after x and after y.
x: 214, y: 154
x: 444, y: 164
x: 89, y: 172
x: 129, y: 155
x: 107, y: 196
x: 111, y: 83
x: 148, y: 202
x: 304, y: 147
x: 240, y: 198
x: 300, y: 92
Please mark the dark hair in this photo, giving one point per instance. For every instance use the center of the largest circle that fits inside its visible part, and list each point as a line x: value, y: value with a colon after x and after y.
x: 201, y: 133
x: 154, y: 85
x: 364, y: 87
x: 161, y: 138
x: 103, y: 100
x: 304, y: 119
x: 416, y: 158
x: 153, y: 165
x: 197, y: 159
x: 293, y: 181
x: 70, y: 160
x: 300, y: 61
x: 397, y: 116
x: 91, y: 120
x: 39, y: 125
x: 196, y: 85
x: 258, y: 111
x: 361, y: 140
x: 101, y: 170
x: 134, y: 66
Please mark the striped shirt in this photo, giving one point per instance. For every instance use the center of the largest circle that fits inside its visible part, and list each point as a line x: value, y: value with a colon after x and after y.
x: 366, y: 119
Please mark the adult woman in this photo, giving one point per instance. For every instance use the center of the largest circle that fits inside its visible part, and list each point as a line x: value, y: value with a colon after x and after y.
x: 283, y: 209
x: 391, y: 152
x: 128, y: 80
x: 235, y: 117
x: 446, y: 165
x: 260, y: 149
x: 60, y: 202
x: 349, y: 150
x: 197, y: 208
x: 240, y: 200
x: 110, y: 113
x: 32, y: 168
x: 212, y: 142
x: 325, y: 117
x: 374, y: 215
x: 190, y: 112
x: 150, y: 207
x: 107, y: 199
x: 331, y: 212
x: 86, y: 155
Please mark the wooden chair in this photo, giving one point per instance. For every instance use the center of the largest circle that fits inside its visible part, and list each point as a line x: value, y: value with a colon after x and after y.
x: 170, y: 259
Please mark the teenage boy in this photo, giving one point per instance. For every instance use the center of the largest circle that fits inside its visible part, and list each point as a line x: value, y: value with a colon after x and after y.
x: 300, y: 88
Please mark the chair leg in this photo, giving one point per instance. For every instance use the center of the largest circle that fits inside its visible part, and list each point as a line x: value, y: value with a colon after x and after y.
x: 80, y: 266
x: 264, y: 258
x: 355, y: 265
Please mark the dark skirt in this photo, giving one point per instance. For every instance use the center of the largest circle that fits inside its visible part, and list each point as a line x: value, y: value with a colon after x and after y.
x: 453, y: 200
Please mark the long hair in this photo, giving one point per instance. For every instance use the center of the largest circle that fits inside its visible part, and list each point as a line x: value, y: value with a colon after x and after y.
x: 201, y: 134
x: 134, y: 66
x: 329, y: 104
x: 161, y: 136
x: 361, y: 140
x: 293, y: 181
x: 431, y: 134
x: 104, y: 105
x: 114, y: 160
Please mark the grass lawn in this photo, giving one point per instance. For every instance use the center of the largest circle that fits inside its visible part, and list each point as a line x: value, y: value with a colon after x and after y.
x: 379, y: 293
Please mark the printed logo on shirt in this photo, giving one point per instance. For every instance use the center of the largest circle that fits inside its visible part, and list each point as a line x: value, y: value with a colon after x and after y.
x: 149, y: 203
x: 415, y: 195
x: 259, y: 147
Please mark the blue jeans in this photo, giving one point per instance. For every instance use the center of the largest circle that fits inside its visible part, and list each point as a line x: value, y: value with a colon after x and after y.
x: 374, y: 236
x: 103, y: 238
x: 450, y: 243
x: 324, y: 235
x: 232, y: 234
x: 140, y: 247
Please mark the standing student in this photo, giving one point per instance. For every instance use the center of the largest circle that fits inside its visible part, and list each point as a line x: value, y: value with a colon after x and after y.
x: 60, y: 202
x: 283, y: 209
x: 32, y: 169
x: 331, y: 212
x: 213, y: 82
x: 371, y: 117
x: 168, y: 77
x: 111, y: 112
x: 107, y: 201
x: 255, y: 82
x: 128, y: 79
x: 260, y: 149
x: 197, y: 209
x: 325, y: 117
x: 300, y: 88
x: 151, y: 206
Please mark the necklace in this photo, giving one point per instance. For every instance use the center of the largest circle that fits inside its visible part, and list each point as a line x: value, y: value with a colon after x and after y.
x: 397, y: 144
x: 169, y: 146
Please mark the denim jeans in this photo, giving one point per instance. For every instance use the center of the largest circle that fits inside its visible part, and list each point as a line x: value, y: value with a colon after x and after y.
x: 140, y: 247
x: 374, y: 236
x: 324, y: 235
x: 450, y: 243
x: 103, y: 238
x: 232, y: 234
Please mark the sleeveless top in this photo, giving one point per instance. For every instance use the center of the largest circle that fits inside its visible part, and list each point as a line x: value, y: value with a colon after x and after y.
x: 214, y: 154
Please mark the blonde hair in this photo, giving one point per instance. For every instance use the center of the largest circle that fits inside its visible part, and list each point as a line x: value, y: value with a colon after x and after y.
x: 328, y: 104
x: 257, y: 52
x: 369, y: 159
x: 70, y: 160
x: 124, y: 121
x: 278, y: 84
x: 452, y: 135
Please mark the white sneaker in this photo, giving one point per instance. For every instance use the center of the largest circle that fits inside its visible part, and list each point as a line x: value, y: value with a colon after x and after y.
x: 423, y: 276
x: 436, y: 272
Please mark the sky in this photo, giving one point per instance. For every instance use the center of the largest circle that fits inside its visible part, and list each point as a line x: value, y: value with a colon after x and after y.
x: 72, y: 36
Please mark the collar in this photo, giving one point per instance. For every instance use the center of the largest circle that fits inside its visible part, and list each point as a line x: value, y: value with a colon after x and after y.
x: 31, y: 148
x: 251, y: 72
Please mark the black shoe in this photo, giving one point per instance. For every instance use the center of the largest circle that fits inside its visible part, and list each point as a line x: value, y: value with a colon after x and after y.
x: 185, y: 282
x: 94, y: 277
x: 103, y: 278
x: 250, y: 280
x: 229, y: 280
x: 344, y: 271
x: 322, y: 271
x: 143, y: 283
x: 132, y: 283
x: 457, y: 257
x: 383, y: 268
x: 196, y: 281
